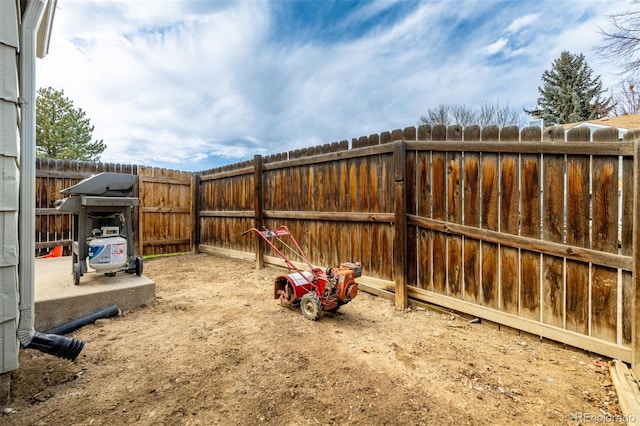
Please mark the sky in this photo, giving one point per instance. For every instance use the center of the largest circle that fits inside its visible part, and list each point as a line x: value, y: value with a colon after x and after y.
x: 194, y: 85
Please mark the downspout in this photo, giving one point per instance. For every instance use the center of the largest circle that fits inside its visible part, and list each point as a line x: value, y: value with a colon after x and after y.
x: 50, y: 343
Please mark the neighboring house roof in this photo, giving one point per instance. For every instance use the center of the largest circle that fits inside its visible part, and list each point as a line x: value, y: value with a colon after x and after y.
x: 623, y: 122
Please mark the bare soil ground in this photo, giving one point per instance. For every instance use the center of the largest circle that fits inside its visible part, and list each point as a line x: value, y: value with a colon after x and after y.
x: 216, y: 348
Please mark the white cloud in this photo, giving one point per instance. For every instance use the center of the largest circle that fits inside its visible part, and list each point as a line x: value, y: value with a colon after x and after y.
x: 496, y: 47
x: 149, y: 83
x: 179, y: 82
x: 522, y: 22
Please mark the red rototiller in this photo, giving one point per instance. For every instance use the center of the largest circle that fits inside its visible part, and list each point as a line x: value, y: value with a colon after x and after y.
x: 314, y: 290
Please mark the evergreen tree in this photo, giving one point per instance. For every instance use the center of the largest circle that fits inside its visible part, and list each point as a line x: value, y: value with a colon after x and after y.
x: 570, y: 93
x: 62, y: 131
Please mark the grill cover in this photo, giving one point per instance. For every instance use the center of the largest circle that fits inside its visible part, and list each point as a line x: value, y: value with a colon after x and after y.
x: 103, y: 185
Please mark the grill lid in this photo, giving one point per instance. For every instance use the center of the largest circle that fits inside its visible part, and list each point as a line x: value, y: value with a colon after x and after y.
x: 103, y: 185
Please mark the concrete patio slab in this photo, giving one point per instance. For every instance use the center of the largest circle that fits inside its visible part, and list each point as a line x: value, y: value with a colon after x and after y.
x: 58, y: 301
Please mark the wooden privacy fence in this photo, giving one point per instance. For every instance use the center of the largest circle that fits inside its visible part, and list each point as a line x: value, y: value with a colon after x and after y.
x: 163, y: 222
x: 166, y: 211
x: 527, y: 228
x: 515, y: 226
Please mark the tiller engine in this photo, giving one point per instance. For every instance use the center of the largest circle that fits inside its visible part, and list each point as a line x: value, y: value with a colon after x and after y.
x: 314, y: 290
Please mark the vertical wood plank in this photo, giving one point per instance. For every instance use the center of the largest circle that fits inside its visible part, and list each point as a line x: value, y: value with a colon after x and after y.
x: 553, y: 220
x: 197, y: 207
x: 424, y: 210
x: 577, y: 303
x: 604, y: 282
x: 258, y: 203
x: 489, y: 220
x: 142, y: 201
x: 343, y: 205
x: 364, y: 205
x: 635, y: 322
x: 136, y: 210
x: 439, y: 179
x: 626, y: 243
x: 354, y: 206
x: 471, y: 217
x: 353, y: 185
x: 57, y: 187
x: 509, y: 178
x: 374, y: 185
x: 331, y: 255
x: 454, y: 213
x: 202, y: 202
x: 409, y: 134
x: 400, y: 229
x: 39, y: 189
x: 386, y: 206
x: 530, y: 227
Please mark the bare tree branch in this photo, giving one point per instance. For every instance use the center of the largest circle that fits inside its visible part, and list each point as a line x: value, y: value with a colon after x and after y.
x: 621, y: 42
x: 627, y: 99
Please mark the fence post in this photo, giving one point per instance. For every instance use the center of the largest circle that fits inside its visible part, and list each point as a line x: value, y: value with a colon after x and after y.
x: 258, y: 205
x: 135, y: 214
x: 635, y: 334
x: 196, y: 213
x: 400, y: 231
x: 141, y: 191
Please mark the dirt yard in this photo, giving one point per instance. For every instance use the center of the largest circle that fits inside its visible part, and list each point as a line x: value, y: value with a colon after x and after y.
x: 216, y: 348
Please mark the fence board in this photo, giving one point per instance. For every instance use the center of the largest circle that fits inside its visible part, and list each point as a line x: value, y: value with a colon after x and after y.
x: 354, y: 232
x: 376, y: 253
x: 343, y: 205
x: 410, y: 185
x: 509, y: 209
x: 577, y: 309
x: 400, y: 251
x: 626, y: 243
x: 439, y: 212
x: 425, y: 247
x: 454, y: 214
x: 490, y: 220
x: 530, y: 227
x: 604, y: 288
x: 553, y: 285
x: 386, y: 206
x: 471, y: 210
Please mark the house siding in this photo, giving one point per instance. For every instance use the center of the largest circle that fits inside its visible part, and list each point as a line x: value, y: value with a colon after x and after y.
x: 9, y: 174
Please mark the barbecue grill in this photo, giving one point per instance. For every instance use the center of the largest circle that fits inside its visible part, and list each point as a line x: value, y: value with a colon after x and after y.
x: 102, y: 232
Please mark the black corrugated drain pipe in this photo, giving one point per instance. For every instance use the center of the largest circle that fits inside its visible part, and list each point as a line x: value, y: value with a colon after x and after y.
x: 53, y: 343
x: 111, y: 311
x: 60, y: 346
